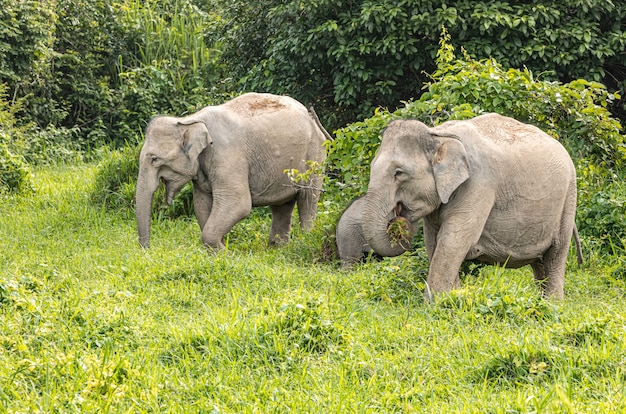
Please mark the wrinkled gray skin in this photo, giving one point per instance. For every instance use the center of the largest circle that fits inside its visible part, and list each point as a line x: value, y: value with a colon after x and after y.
x: 235, y: 155
x: 490, y: 189
x: 351, y: 244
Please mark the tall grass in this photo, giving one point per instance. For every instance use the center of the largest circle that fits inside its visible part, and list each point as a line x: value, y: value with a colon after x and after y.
x: 173, y: 40
x: 91, y: 322
x: 171, y: 32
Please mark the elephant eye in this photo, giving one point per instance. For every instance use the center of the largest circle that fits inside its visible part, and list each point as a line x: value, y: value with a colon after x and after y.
x: 154, y: 159
x: 398, y: 173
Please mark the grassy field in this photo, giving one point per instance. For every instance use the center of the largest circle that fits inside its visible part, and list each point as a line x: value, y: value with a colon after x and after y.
x: 90, y: 322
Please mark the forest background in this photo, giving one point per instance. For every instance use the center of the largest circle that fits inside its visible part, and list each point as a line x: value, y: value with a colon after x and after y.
x: 90, y: 322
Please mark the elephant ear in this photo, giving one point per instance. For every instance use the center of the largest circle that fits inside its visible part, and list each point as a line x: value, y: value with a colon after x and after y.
x: 196, y: 138
x: 450, y: 166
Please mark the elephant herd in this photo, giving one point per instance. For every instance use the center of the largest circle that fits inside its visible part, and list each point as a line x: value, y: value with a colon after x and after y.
x: 490, y: 189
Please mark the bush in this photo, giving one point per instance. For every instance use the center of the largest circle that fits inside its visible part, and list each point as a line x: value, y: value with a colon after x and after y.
x: 575, y: 113
x: 15, y: 176
x: 14, y: 172
x: 116, y: 181
x: 114, y: 185
x: 356, y: 55
x: 86, y: 65
x: 601, y: 211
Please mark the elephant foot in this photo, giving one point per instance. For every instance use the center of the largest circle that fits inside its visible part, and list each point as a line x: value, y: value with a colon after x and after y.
x: 278, y: 241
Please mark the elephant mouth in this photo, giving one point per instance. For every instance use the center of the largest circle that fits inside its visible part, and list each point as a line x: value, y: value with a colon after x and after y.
x: 400, y: 210
x: 169, y: 191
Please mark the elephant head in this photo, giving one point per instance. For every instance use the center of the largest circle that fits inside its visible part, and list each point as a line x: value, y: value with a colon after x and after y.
x: 169, y: 154
x: 414, y: 171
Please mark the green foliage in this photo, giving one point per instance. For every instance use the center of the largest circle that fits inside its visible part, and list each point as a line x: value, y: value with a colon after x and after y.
x: 15, y: 176
x: 114, y: 184
x: 357, y: 55
x: 299, y: 328
x: 14, y: 173
x: 116, y: 181
x: 102, y: 68
x: 487, y: 304
x: 52, y: 145
x: 26, y: 45
x: 174, y: 70
x: 602, y: 212
x: 519, y: 365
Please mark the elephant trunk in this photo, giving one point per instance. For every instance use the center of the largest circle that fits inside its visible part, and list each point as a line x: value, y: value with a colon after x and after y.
x: 147, y: 184
x: 386, y: 230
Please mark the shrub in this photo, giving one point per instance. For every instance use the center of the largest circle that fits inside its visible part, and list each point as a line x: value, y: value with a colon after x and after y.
x: 114, y: 185
x: 359, y: 54
x: 86, y: 65
x: 116, y: 180
x: 602, y: 212
x: 174, y: 69
x: 524, y: 364
x: 15, y: 174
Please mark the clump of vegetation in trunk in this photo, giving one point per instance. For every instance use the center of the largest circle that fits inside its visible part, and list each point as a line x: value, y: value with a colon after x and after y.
x: 399, y: 231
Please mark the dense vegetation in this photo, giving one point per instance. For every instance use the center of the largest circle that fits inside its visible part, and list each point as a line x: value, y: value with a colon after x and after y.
x: 90, y: 322
x: 357, y: 55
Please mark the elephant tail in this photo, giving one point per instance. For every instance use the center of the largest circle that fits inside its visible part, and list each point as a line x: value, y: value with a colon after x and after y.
x: 319, y: 124
x: 579, y: 251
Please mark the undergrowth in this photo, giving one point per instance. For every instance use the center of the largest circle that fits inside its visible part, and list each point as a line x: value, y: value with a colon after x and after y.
x: 92, y: 322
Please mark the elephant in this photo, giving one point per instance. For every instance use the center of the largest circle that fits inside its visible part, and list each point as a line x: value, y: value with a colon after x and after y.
x: 235, y: 154
x: 351, y: 244
x: 490, y: 189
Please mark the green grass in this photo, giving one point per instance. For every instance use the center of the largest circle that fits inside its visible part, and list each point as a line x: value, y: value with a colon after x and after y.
x: 90, y: 322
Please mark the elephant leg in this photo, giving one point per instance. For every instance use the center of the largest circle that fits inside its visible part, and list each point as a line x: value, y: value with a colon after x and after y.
x: 307, y: 203
x: 549, y: 272
x: 228, y: 209
x: 281, y: 222
x: 553, y: 273
x: 430, y: 239
x: 443, y: 274
x: 555, y: 258
x: 202, y: 203
x: 458, y: 233
x: 540, y: 274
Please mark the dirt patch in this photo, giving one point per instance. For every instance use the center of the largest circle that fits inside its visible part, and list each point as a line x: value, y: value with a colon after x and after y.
x: 254, y: 105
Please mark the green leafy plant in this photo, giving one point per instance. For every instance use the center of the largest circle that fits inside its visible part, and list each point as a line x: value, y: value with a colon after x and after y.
x: 115, y: 185
x: 15, y: 175
x: 354, y: 56
x: 303, y: 328
x: 399, y: 230
x: 305, y: 179
x: 520, y: 364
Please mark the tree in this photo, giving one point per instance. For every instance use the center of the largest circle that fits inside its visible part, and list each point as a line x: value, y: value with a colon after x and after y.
x: 355, y: 55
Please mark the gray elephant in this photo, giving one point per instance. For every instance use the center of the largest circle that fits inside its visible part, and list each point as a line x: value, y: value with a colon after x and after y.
x: 490, y: 189
x: 351, y: 244
x: 235, y: 154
